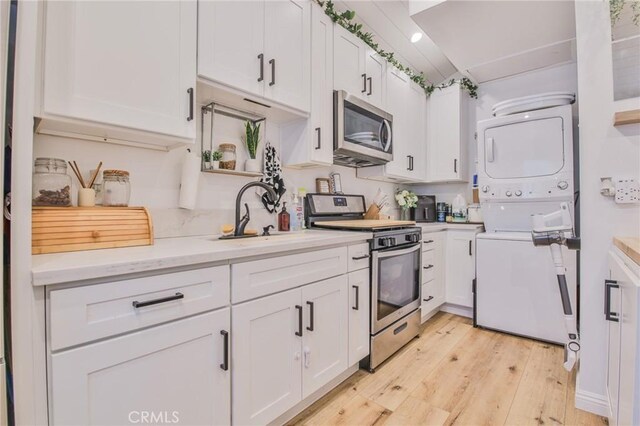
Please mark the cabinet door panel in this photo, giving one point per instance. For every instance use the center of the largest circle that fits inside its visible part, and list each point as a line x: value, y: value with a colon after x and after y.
x: 461, y: 268
x: 359, y: 315
x: 397, y: 92
x: 444, y: 114
x: 325, y: 348
x: 123, y: 64
x: 417, y: 126
x: 375, y: 67
x: 348, y: 62
x: 287, y: 42
x: 266, y: 358
x: 171, y: 370
x: 230, y: 38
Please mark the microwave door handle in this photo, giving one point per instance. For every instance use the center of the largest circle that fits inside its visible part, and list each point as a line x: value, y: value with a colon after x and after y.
x: 387, y: 143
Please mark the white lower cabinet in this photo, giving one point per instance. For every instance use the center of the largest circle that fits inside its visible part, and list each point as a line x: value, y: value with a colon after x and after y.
x: 359, y: 315
x: 460, y: 267
x: 433, y: 276
x: 172, y: 373
x: 286, y: 347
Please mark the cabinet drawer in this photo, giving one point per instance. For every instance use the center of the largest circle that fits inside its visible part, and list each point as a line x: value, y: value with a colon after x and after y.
x: 430, y: 299
x: 266, y: 276
x: 83, y: 314
x: 428, y: 266
x: 358, y: 256
x: 428, y: 242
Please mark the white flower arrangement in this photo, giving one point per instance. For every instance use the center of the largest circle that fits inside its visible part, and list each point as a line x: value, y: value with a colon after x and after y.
x: 406, y: 199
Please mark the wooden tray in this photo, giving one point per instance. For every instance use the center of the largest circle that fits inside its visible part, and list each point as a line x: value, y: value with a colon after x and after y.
x: 63, y: 229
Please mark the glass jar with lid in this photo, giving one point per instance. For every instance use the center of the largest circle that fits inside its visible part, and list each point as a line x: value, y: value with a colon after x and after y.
x: 116, y: 189
x: 228, y: 160
x: 51, y: 183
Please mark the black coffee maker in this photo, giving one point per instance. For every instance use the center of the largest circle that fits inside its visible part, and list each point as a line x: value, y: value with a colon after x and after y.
x: 425, y: 211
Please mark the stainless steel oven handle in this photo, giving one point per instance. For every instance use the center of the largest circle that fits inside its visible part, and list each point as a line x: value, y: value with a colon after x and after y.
x: 381, y: 254
x: 387, y: 143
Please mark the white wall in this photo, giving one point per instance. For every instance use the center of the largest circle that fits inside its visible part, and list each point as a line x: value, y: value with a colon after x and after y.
x: 604, y: 151
x: 559, y: 78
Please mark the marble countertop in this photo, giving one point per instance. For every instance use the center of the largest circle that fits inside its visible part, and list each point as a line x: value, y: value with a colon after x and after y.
x: 61, y: 268
x: 441, y: 226
x: 629, y: 246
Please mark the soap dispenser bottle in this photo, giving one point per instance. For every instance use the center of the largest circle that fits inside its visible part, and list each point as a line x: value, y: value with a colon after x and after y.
x: 284, y: 219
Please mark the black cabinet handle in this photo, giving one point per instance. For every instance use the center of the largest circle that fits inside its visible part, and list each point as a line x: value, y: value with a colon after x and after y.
x: 273, y: 72
x: 427, y: 267
x: 261, y: 57
x: 190, y: 92
x: 176, y: 296
x: 364, y: 83
x: 428, y: 299
x: 225, y: 361
x: 299, y: 332
x: 455, y: 165
x: 357, y: 307
x: 370, y: 88
x: 428, y: 241
x: 364, y: 256
x: 470, y: 252
x: 319, y: 144
x: 608, y: 285
x: 409, y: 159
x: 311, y: 315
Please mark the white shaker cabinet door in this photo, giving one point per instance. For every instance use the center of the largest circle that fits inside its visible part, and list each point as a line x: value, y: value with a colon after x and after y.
x: 288, y: 52
x: 461, y: 267
x: 128, y: 64
x: 358, y: 315
x: 174, y: 371
x: 397, y: 95
x: 231, y: 44
x: 348, y: 62
x: 325, y: 334
x: 266, y: 357
x: 376, y: 68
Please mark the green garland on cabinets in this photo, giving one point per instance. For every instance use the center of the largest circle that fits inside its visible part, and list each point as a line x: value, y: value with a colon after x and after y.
x: 345, y: 20
x: 617, y: 6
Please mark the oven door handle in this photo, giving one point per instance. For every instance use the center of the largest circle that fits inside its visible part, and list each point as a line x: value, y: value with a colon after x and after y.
x: 380, y: 254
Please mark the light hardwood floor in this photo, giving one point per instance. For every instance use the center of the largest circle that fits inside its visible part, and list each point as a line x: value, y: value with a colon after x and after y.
x: 457, y: 374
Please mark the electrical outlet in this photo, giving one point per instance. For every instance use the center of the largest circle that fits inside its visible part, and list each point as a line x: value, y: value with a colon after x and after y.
x: 627, y: 191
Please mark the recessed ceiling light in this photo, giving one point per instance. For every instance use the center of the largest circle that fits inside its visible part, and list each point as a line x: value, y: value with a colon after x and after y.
x: 416, y: 37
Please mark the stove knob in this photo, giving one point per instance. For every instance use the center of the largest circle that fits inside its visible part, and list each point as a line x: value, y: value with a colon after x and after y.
x: 392, y: 241
x: 485, y: 188
x: 508, y: 193
x: 518, y: 193
x: 384, y: 242
x: 563, y: 185
x: 410, y: 238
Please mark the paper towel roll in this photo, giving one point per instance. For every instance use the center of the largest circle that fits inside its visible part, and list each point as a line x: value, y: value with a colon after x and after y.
x: 189, y: 181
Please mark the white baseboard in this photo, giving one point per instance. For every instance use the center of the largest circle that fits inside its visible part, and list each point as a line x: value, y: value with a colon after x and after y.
x: 592, y: 402
x: 457, y: 310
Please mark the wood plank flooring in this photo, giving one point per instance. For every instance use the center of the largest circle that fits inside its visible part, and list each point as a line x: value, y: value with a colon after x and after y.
x: 455, y: 374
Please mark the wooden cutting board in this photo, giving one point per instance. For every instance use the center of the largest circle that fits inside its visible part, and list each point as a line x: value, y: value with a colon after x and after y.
x: 63, y: 229
x: 364, y: 224
x: 629, y: 246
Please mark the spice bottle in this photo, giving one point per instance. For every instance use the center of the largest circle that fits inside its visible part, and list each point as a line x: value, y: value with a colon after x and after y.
x: 284, y: 218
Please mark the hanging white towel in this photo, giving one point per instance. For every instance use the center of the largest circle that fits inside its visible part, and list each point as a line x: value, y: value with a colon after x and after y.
x: 189, y: 181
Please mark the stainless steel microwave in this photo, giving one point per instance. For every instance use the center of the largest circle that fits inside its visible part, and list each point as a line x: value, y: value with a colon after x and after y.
x: 363, y: 133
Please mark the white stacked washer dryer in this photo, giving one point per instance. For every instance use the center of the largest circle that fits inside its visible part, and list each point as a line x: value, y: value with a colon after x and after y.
x: 525, y: 167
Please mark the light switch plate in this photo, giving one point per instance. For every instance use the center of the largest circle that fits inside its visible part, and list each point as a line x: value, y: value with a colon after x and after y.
x: 627, y: 191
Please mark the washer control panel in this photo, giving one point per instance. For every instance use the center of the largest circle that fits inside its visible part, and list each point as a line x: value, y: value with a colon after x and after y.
x: 511, y: 190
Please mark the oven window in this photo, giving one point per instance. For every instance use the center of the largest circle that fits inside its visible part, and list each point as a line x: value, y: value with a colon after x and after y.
x: 364, y: 128
x: 398, y: 282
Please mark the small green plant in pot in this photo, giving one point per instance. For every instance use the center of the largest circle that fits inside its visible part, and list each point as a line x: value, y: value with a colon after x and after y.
x: 206, y: 159
x: 216, y: 156
x: 252, y: 139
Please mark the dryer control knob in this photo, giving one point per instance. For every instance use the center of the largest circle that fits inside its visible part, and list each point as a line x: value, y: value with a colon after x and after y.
x: 508, y: 193
x: 563, y: 185
x: 518, y: 193
x: 485, y: 188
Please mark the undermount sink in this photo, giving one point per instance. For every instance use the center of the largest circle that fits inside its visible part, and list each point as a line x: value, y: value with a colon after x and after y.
x: 256, y: 238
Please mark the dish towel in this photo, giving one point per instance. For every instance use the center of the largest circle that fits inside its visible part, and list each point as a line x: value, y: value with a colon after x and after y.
x: 272, y: 175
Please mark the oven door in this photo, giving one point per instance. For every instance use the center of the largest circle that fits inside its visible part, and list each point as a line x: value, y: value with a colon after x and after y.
x: 395, y: 284
x: 362, y: 130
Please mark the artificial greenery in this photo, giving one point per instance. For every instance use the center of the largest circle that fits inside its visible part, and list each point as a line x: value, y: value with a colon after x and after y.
x: 206, y: 156
x: 216, y: 156
x: 617, y: 6
x: 252, y: 137
x: 345, y: 20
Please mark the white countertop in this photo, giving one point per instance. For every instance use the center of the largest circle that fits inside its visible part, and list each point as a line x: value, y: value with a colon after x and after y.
x: 441, y: 226
x: 61, y: 268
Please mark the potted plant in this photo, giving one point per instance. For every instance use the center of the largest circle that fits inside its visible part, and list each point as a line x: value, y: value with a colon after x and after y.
x: 216, y: 156
x: 206, y: 158
x: 251, y: 139
x: 406, y: 200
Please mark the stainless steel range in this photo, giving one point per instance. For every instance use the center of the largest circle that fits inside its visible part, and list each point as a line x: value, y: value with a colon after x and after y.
x: 395, y: 270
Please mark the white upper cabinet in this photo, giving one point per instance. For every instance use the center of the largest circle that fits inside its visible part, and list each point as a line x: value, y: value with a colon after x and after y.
x: 417, y: 128
x: 230, y: 42
x: 397, y: 105
x: 308, y: 143
x: 258, y: 47
x: 124, y: 65
x: 349, y: 54
x: 375, y: 69
x: 447, y: 135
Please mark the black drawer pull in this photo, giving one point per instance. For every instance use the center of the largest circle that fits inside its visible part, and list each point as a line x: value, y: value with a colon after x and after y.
x: 455, y: 165
x: 310, y: 328
x: 273, y: 72
x: 190, y: 92
x: 261, y: 57
x: 364, y: 256
x: 427, y: 267
x: 470, y: 244
x: 319, y: 144
x: 428, y: 241
x: 370, y: 88
x: 225, y: 362
x: 357, y: 307
x: 428, y: 299
x: 608, y: 285
x: 364, y: 82
x: 176, y: 296
x: 299, y: 332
